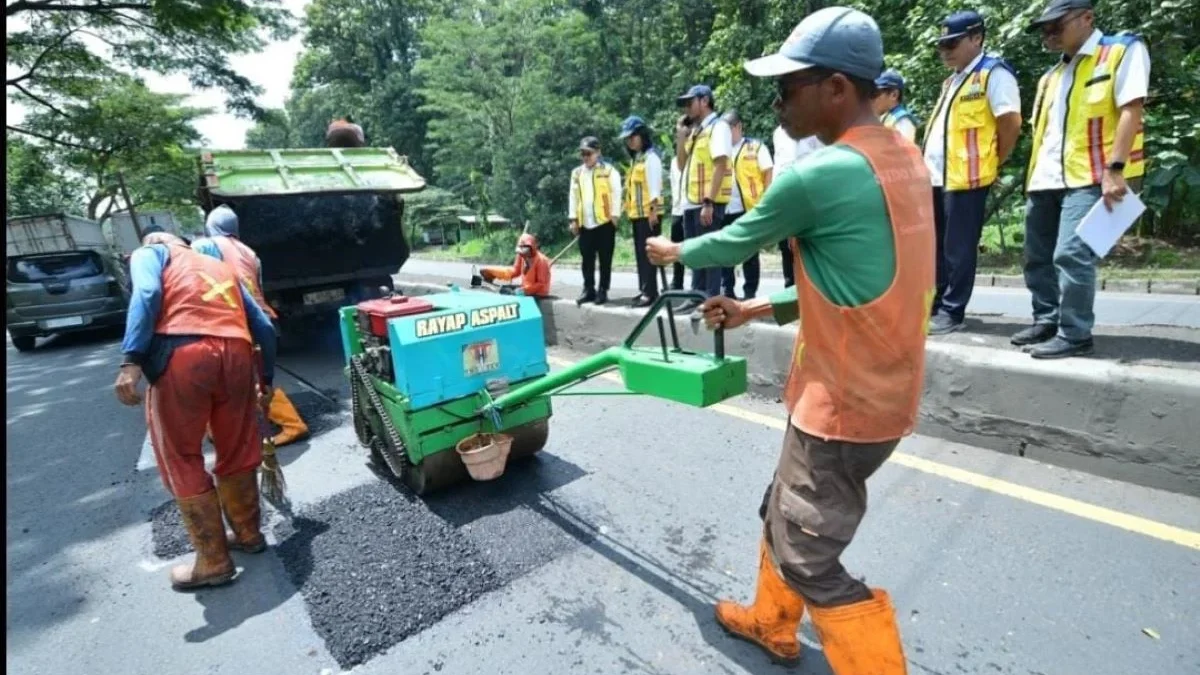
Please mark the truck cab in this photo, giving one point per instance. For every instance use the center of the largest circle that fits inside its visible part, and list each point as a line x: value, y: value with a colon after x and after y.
x: 326, y: 223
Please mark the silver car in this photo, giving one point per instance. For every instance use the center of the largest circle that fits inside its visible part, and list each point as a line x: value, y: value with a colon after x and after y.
x: 68, y: 291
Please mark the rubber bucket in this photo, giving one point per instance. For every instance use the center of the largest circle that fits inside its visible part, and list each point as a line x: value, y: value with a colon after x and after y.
x: 485, y: 455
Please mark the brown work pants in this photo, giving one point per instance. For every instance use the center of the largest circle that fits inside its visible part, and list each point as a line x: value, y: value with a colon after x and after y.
x: 812, y: 509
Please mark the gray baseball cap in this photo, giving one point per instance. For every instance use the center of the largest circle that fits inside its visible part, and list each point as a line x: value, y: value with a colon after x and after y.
x: 838, y: 38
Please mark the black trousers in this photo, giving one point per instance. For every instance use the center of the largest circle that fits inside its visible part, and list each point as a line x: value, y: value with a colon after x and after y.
x: 677, y: 268
x: 647, y: 272
x: 599, y: 242
x: 707, y: 280
x: 789, y: 265
x: 958, y: 216
x: 751, y: 269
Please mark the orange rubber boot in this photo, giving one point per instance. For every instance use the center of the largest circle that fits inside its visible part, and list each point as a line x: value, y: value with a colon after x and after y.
x: 213, y: 566
x: 862, y: 638
x: 774, y: 618
x: 283, y: 413
x: 239, y: 501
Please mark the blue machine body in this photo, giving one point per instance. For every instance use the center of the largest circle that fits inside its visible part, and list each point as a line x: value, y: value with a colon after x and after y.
x: 468, y: 339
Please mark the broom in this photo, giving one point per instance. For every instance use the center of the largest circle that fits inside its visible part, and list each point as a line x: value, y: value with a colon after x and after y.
x: 273, y: 485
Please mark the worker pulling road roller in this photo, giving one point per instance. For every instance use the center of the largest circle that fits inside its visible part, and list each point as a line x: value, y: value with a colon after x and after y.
x: 531, y: 266
x: 860, y: 220
x: 223, y: 243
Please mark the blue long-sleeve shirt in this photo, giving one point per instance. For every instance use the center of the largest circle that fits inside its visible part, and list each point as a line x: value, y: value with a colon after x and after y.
x: 145, y: 302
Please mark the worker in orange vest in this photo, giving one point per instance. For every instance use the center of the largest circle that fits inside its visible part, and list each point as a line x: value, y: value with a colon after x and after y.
x: 531, y: 265
x: 190, y: 332
x: 860, y: 220
x: 223, y: 243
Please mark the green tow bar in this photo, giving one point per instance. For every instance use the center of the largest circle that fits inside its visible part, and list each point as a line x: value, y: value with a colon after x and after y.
x: 693, y: 378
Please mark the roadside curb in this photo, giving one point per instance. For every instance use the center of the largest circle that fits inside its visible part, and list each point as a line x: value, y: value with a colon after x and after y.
x: 1148, y: 285
x: 1133, y: 423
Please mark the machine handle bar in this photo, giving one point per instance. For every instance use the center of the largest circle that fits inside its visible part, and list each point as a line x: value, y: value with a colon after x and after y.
x: 665, y: 297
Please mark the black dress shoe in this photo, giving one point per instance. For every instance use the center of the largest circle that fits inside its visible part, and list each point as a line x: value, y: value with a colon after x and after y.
x: 601, y: 297
x: 586, y: 296
x: 643, y: 301
x: 686, y: 306
x: 1061, y: 348
x: 943, y: 324
x: 1036, y: 333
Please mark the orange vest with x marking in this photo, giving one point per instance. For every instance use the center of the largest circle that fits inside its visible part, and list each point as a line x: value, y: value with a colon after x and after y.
x: 201, y: 296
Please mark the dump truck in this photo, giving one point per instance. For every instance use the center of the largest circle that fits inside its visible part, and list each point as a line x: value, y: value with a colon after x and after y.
x: 325, y: 222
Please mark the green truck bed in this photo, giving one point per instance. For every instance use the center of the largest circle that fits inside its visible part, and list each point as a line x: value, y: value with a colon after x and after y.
x: 230, y: 174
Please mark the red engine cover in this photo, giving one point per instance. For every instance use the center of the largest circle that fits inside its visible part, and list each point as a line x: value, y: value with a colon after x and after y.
x: 380, y: 310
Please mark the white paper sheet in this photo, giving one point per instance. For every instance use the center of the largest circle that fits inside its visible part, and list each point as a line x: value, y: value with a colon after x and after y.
x: 1100, y: 228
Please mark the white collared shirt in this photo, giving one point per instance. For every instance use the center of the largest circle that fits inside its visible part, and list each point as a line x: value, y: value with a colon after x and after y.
x: 764, y: 162
x: 1003, y: 97
x: 585, y: 185
x: 720, y: 144
x: 677, y: 197
x: 789, y: 151
x: 1130, y: 82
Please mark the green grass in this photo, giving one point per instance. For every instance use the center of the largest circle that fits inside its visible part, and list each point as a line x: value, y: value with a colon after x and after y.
x: 1133, y: 258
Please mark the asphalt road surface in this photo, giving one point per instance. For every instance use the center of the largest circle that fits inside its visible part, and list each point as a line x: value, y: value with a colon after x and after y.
x: 1113, y: 309
x: 602, y: 555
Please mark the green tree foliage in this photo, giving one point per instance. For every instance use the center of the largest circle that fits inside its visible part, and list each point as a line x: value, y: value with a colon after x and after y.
x: 491, y: 98
x: 33, y: 184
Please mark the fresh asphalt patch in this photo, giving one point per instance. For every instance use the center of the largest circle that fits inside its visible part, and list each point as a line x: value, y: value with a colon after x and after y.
x: 320, y: 413
x: 168, y: 534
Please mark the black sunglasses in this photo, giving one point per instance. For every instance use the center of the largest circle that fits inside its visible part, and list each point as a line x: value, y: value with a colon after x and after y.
x: 785, y: 87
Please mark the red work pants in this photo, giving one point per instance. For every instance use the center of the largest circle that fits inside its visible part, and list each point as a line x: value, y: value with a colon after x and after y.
x: 210, y: 382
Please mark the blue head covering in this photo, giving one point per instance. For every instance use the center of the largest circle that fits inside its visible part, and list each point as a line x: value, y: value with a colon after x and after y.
x: 221, y: 221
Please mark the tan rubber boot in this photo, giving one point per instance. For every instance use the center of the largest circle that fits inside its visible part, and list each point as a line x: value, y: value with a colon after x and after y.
x: 773, y: 620
x: 862, y: 637
x: 213, y: 566
x: 283, y: 413
x: 239, y: 500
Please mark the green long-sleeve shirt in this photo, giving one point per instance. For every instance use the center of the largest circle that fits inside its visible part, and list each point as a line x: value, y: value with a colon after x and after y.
x: 831, y: 201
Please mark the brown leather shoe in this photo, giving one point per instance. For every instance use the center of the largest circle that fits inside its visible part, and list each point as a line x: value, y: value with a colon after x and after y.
x: 213, y: 566
x: 239, y: 500
x: 773, y: 620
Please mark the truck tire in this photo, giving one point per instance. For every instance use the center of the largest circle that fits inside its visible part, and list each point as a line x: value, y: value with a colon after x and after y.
x: 24, y: 343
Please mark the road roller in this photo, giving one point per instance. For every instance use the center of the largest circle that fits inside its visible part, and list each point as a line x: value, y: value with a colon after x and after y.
x: 456, y: 385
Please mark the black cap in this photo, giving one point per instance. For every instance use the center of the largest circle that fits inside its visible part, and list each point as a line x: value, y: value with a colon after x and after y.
x: 959, y: 24
x: 152, y: 228
x: 589, y: 143
x: 1056, y: 10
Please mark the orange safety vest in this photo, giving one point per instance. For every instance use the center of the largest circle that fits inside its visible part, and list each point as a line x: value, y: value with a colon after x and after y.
x: 245, y: 262
x: 858, y: 372
x: 200, y: 296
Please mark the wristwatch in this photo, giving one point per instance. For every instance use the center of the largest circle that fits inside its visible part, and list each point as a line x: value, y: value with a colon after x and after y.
x: 1117, y: 166
x: 707, y: 202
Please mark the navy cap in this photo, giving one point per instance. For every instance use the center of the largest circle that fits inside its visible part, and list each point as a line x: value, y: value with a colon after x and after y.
x: 589, y: 143
x: 890, y: 79
x: 631, y: 125
x: 1056, y: 10
x: 697, y: 91
x: 959, y: 24
x: 837, y: 38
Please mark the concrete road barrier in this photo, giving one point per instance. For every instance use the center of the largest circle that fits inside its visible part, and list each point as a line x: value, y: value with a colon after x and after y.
x: 1134, y: 423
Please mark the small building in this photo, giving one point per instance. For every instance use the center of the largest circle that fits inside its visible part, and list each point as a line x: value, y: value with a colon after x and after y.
x: 444, y: 236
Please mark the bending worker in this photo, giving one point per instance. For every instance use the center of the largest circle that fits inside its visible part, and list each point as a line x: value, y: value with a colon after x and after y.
x: 531, y: 265
x: 223, y: 243
x: 191, y: 332
x: 860, y: 219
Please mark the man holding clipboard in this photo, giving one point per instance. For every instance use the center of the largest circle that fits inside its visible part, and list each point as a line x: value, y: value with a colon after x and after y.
x: 1087, y: 147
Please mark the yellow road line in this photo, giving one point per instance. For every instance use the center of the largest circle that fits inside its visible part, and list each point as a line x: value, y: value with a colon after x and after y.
x: 1099, y: 514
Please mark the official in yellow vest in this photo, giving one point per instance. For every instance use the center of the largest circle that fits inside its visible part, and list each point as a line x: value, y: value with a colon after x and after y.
x: 643, y: 201
x: 1087, y: 147
x: 594, y: 206
x: 974, y: 127
x: 751, y: 175
x: 889, y: 105
x: 704, y: 147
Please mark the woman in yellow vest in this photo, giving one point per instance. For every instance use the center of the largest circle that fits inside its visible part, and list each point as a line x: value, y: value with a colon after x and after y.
x: 972, y: 131
x: 643, y: 200
x: 1087, y: 147
x: 751, y: 175
x: 594, y: 206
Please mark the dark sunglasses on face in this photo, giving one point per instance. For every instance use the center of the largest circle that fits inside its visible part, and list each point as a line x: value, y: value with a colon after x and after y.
x: 784, y: 87
x: 1057, y: 27
x: 949, y: 45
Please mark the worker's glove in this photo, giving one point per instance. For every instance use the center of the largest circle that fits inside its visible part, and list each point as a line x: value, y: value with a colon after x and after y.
x: 506, y: 290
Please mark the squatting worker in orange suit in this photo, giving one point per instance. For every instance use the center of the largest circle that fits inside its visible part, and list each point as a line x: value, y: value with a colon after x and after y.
x: 860, y: 223
x: 191, y: 331
x: 223, y: 243
x: 531, y: 265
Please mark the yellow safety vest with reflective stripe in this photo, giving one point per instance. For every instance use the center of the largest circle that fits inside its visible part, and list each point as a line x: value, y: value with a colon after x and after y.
x: 1092, y: 114
x: 700, y: 169
x: 972, y: 157
x: 749, y: 174
x: 601, y: 193
x: 637, y: 189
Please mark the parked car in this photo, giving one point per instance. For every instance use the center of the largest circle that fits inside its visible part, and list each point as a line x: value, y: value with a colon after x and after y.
x: 62, y: 291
